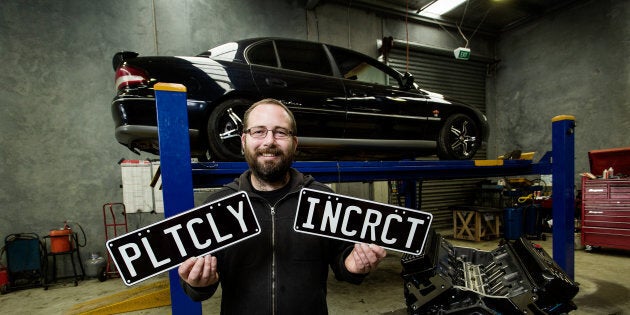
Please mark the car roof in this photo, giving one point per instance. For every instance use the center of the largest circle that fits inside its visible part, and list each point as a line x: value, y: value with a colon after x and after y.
x: 238, y: 46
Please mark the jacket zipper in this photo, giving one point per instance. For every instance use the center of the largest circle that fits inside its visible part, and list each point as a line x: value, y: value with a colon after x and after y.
x: 273, y: 259
x: 272, y: 209
x: 273, y: 252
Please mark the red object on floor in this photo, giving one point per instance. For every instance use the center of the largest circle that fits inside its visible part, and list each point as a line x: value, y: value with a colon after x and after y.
x: 4, y: 276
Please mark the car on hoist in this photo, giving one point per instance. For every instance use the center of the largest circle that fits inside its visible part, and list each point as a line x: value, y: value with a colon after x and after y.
x: 347, y: 105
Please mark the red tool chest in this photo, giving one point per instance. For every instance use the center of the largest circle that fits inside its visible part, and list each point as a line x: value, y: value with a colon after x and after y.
x: 606, y: 213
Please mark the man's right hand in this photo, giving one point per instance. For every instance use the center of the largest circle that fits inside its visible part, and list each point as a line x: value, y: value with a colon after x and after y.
x: 199, y: 271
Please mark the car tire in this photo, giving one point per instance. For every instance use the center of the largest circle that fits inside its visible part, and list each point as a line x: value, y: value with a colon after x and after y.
x: 224, y: 129
x: 459, y: 138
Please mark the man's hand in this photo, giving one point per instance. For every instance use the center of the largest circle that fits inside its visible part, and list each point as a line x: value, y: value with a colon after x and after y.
x: 364, y: 258
x: 199, y: 271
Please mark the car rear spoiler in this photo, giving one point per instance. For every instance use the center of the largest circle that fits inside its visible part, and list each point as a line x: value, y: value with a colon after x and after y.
x: 121, y: 56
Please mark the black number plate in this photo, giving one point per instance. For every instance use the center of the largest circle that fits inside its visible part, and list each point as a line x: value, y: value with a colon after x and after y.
x: 357, y: 220
x: 164, y: 245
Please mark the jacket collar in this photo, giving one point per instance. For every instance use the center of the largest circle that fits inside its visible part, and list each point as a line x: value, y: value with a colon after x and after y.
x: 298, y: 181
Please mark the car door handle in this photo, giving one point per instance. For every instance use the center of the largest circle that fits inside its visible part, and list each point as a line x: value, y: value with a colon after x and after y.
x: 276, y: 82
x: 358, y: 93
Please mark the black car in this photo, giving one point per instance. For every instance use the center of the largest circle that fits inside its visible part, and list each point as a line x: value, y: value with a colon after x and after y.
x: 347, y: 105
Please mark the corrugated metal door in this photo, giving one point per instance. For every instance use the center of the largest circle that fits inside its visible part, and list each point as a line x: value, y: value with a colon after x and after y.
x: 438, y: 71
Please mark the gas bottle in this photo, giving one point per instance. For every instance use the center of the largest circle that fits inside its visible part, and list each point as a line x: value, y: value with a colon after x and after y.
x: 61, y: 240
x: 94, y: 265
x: 4, y: 279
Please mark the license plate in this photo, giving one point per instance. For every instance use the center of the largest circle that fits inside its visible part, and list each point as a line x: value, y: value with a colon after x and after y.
x: 164, y: 245
x: 362, y: 221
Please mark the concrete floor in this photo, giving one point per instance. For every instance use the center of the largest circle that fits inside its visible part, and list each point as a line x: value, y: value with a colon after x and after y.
x: 603, y: 276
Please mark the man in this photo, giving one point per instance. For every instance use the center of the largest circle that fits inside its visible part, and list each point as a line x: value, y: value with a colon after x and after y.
x: 279, y: 271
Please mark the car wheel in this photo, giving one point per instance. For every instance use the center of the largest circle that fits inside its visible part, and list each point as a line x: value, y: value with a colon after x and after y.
x: 459, y: 138
x: 225, y: 126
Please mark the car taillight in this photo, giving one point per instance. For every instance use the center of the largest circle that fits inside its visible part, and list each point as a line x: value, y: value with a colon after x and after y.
x: 128, y: 76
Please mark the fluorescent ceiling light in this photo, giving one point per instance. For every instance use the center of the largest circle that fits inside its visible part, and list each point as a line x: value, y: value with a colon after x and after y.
x: 440, y: 7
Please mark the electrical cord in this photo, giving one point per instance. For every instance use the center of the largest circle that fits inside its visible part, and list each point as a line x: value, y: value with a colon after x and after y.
x: 82, y: 232
x: 524, y: 199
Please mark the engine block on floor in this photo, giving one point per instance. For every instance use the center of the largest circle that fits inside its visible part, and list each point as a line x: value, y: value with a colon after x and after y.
x: 518, y: 277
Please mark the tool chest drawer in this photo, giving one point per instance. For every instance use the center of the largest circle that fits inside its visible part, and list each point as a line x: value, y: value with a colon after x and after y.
x: 606, y: 212
x: 617, y: 189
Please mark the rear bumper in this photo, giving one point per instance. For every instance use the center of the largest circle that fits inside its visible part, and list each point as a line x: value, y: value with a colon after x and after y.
x: 135, y: 119
x: 145, y: 138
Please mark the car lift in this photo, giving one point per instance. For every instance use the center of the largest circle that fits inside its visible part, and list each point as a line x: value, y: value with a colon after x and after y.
x: 179, y: 176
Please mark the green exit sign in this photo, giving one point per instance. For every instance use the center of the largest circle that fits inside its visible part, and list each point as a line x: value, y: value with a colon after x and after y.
x: 462, y: 53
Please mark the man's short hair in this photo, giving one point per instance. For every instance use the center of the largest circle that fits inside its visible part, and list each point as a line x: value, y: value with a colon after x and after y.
x: 274, y: 102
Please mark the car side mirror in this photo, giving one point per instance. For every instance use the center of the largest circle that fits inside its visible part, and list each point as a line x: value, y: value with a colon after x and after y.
x: 407, y: 81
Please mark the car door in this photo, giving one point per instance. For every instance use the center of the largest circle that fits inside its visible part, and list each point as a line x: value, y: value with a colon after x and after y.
x: 378, y: 107
x: 300, y: 75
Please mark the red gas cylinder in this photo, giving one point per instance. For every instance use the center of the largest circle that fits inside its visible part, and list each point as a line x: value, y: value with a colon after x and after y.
x: 60, y: 240
x: 4, y: 278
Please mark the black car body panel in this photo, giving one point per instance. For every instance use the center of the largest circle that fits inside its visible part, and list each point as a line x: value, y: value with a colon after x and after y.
x: 347, y: 105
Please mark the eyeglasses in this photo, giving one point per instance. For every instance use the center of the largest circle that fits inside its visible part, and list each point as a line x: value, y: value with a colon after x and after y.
x: 279, y: 133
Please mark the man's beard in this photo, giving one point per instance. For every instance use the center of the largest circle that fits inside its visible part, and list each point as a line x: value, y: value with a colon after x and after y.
x: 270, y: 172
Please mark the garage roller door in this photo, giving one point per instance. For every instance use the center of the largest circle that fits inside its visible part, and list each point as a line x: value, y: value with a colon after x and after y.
x: 438, y: 71
x: 465, y: 80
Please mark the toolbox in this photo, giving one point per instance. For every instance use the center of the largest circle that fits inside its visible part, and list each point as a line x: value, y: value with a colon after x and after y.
x: 606, y: 213
x: 606, y: 200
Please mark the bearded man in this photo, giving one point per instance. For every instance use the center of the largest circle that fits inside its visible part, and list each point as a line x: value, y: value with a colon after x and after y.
x: 279, y: 271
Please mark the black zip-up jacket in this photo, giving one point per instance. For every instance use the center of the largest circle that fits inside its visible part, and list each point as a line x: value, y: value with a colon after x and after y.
x: 279, y: 271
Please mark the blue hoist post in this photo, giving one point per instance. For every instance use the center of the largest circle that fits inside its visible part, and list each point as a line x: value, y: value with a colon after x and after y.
x: 411, y: 195
x: 177, y: 184
x: 563, y: 208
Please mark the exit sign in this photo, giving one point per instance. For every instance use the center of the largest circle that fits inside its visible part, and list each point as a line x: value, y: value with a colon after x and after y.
x: 462, y: 53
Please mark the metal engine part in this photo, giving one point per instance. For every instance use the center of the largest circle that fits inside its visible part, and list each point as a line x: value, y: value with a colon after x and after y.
x: 518, y: 277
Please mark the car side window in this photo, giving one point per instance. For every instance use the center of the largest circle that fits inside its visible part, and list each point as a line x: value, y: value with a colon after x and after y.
x: 262, y: 54
x: 303, y: 56
x: 357, y: 67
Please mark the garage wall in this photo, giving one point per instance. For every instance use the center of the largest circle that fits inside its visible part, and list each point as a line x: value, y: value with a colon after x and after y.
x: 57, y: 150
x: 58, y: 154
x: 59, y: 159
x: 574, y: 63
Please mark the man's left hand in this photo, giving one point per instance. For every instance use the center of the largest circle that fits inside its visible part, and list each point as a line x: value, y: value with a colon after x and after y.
x: 364, y: 258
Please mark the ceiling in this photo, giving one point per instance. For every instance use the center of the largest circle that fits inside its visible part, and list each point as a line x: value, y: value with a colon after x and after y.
x: 488, y: 16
